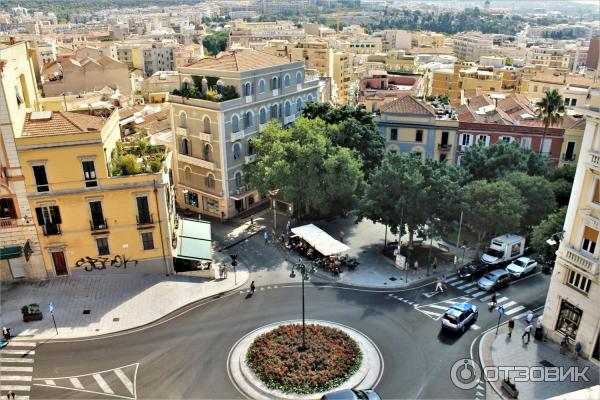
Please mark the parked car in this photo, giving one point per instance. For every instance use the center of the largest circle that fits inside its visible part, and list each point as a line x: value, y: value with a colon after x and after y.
x: 504, y: 249
x: 473, y: 270
x: 521, y: 267
x: 459, y: 317
x: 352, y: 394
x: 494, y: 280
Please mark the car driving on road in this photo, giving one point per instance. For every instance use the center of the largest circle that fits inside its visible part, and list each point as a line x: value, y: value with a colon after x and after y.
x: 459, y: 317
x: 473, y: 270
x: 494, y: 280
x: 521, y: 267
x: 352, y: 394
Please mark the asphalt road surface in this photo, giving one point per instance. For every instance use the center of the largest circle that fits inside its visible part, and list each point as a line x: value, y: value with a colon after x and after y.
x: 184, y: 355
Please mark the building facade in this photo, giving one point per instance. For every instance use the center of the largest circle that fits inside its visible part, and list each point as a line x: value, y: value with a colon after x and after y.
x: 213, y: 139
x: 574, y: 294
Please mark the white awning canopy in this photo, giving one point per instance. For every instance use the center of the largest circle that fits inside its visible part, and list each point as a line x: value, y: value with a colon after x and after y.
x: 320, y: 240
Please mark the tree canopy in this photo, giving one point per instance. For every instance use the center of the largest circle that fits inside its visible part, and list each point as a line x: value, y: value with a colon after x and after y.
x: 216, y: 42
x: 552, y: 224
x: 537, y: 195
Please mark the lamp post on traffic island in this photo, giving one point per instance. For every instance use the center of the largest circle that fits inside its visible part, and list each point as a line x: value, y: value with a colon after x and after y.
x: 304, y: 275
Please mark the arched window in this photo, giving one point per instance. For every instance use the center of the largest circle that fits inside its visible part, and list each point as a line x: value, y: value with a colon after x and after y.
x: 237, y: 150
x: 206, y: 124
x: 287, y: 109
x: 298, y: 104
x: 309, y: 97
x: 235, y: 124
x: 186, y: 148
x: 209, y: 181
x: 274, y: 113
x: 185, y: 85
x: 286, y: 80
x: 187, y: 174
x: 183, y: 120
x: 274, y: 83
x: 238, y: 179
x: 250, y: 147
x: 248, y: 119
x: 261, y: 86
x: 207, y: 152
x: 298, y: 77
x: 220, y: 87
x: 247, y: 89
x: 262, y: 116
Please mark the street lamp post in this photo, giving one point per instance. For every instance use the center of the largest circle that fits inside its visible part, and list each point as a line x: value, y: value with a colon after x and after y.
x: 234, y: 264
x: 429, y: 223
x: 304, y: 274
x: 272, y: 194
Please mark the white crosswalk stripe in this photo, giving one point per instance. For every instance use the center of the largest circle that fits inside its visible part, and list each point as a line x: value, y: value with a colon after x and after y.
x: 480, y: 293
x: 16, y: 367
x: 515, y: 310
x: 509, y: 304
x: 102, y: 383
x: 471, y: 290
x: 467, y: 285
x: 448, y: 280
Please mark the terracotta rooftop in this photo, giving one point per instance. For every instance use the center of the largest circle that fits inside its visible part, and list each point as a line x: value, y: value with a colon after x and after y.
x: 61, y: 123
x: 242, y: 60
x: 408, y: 105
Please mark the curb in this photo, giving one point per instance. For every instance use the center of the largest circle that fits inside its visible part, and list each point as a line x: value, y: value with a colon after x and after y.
x: 483, y: 364
x: 411, y: 285
x: 240, y: 240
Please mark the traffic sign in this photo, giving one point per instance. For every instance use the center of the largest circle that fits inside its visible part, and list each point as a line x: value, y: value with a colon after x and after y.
x: 51, y: 307
x: 501, y: 310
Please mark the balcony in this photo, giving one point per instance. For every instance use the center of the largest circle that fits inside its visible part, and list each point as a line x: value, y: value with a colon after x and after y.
x: 581, y: 260
x: 7, y: 223
x: 197, y: 162
x: 289, y: 119
x: 444, y: 148
x: 568, y: 158
x: 249, y: 159
x: 248, y: 99
x: 594, y: 160
x: 237, y: 135
x: 181, y: 131
x: 98, y: 226
x: 51, y: 229
x: 207, y: 137
x: 144, y: 220
x: 275, y: 92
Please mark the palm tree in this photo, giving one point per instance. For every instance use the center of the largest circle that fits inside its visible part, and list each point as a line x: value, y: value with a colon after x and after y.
x: 551, y: 109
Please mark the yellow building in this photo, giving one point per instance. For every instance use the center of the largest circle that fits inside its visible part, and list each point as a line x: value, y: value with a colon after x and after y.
x: 571, y: 147
x: 97, y: 204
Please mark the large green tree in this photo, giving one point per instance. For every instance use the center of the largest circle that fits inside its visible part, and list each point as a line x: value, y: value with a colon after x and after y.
x: 215, y: 42
x: 551, y: 109
x: 493, y: 162
x: 538, y: 196
x: 318, y: 176
x: 552, y: 224
x: 492, y: 208
x: 562, y: 180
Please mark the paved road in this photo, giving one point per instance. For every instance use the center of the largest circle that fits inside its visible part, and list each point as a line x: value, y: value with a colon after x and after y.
x: 185, y: 356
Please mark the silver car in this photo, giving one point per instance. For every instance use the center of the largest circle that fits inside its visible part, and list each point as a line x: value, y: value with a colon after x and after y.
x: 494, y: 280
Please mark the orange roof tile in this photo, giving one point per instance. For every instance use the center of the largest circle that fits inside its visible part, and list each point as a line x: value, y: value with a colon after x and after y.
x: 241, y: 60
x: 408, y: 105
x: 62, y: 123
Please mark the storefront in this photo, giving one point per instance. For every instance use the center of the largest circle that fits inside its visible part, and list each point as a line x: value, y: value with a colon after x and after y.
x: 194, y: 246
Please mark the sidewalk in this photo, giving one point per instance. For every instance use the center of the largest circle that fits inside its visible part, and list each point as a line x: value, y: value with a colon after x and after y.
x: 115, y: 302
x: 510, y: 352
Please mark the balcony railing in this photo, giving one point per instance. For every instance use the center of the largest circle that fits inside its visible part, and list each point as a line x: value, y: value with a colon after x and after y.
x: 237, y: 135
x: 250, y: 158
x: 594, y: 160
x: 8, y: 222
x: 197, y: 162
x: 51, y: 229
x: 98, y: 226
x: 207, y: 137
x: 145, y: 219
x: 289, y: 119
x: 181, y: 131
x: 444, y: 147
x: 581, y: 260
x: 567, y: 158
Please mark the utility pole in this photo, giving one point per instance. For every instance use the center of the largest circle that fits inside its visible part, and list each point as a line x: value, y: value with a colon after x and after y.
x: 458, y: 238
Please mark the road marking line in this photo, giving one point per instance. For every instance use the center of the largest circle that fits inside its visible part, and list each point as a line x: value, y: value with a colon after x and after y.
x: 411, y: 303
x: 16, y: 369
x: 481, y: 292
x: 457, y: 282
x: 76, y: 383
x: 23, y: 352
x: 15, y: 360
x: 434, y: 316
x: 480, y: 394
x: 488, y: 297
x: 502, y: 299
x: 391, y: 295
x: 522, y: 315
x: 405, y: 300
x: 20, y: 344
x: 475, y: 327
x: 269, y: 287
x: 471, y: 290
x: 449, y: 301
x: 467, y: 285
x: 399, y: 298
x: 102, y: 383
x: 275, y: 287
x: 509, y: 304
x: 22, y: 378
x: 262, y: 288
x: 17, y: 388
x: 514, y: 310
x: 416, y: 305
x: 451, y: 279
x: 126, y: 381
x: 436, y: 306
x: 50, y: 382
x: 480, y: 387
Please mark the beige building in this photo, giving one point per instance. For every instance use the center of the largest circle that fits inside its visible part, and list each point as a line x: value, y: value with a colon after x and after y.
x: 20, y: 254
x: 428, y: 39
x: 238, y: 93
x: 574, y: 295
x: 471, y: 46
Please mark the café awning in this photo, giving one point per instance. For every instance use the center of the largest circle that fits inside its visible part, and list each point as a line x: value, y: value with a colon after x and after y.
x: 320, y: 240
x: 194, y: 240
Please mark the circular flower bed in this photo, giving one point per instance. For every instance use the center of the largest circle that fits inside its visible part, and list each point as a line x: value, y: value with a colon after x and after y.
x: 330, y: 359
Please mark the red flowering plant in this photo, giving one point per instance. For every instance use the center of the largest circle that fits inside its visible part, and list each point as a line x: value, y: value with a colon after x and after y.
x: 330, y: 358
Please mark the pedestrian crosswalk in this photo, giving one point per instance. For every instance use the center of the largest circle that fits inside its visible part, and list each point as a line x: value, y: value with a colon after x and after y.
x: 16, y: 369
x: 436, y: 310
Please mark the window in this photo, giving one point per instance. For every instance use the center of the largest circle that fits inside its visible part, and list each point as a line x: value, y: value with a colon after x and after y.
x: 206, y: 122
x: 286, y: 81
x: 235, y: 124
x: 579, y: 281
x: 482, y: 140
x: 183, y: 120
x: 569, y: 318
x: 89, y: 173
x: 41, y: 180
x: 417, y: 154
x: 185, y: 147
x: 309, y: 97
x: 147, y: 241
x: 143, y: 210
x: 250, y: 147
x: 596, y: 194
x: 419, y: 135
x: 546, y: 146
x: 298, y: 105
x: 98, y: 221
x: 274, y: 83
x: 287, y: 109
x: 465, y: 139
x: 190, y: 198
x: 49, y: 219
x: 262, y: 116
x: 248, y: 119
x: 570, y: 153
x: 590, y: 237
x: 261, y: 86
x: 525, y: 142
x: 445, y: 136
x: 209, y: 181
x: 102, y: 244
x: 247, y: 89
x: 7, y: 209
x: 298, y: 77
x: 506, y: 139
x: 207, y: 151
x: 274, y: 113
x: 573, y: 102
x: 394, y: 134
x: 238, y: 179
x: 237, y: 150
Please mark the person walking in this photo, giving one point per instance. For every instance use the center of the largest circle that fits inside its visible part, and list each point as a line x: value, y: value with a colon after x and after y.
x: 10, y: 395
x: 511, y: 326
x: 252, y: 287
x: 225, y: 271
x: 266, y: 236
x: 288, y: 227
x: 434, y: 266
x: 493, y: 301
x: 529, y: 317
x: 6, y: 333
x: 342, y: 236
x: 577, y: 350
x: 564, y: 345
x: 527, y: 333
x: 220, y: 272
x: 439, y: 286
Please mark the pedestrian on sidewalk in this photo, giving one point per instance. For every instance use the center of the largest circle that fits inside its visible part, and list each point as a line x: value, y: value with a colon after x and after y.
x: 511, y: 326
x: 252, y: 220
x: 434, y: 266
x: 564, y: 345
x: 273, y: 235
x: 266, y: 236
x: 252, y: 288
x: 493, y: 302
x: 6, y: 333
x: 342, y: 236
x: 529, y: 317
x: 527, y: 333
x: 577, y: 350
x: 225, y: 271
x: 288, y: 227
x: 220, y: 272
x: 439, y: 286
x: 10, y: 395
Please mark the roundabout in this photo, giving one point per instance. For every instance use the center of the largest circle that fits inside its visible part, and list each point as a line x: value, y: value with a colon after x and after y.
x: 336, y: 357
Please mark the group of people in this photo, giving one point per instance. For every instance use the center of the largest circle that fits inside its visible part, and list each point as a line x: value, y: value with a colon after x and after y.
x: 223, y: 270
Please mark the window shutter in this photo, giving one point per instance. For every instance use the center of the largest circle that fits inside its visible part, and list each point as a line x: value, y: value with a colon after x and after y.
x: 252, y: 88
x: 590, y: 234
x: 40, y: 216
x: 460, y: 139
x: 55, y: 214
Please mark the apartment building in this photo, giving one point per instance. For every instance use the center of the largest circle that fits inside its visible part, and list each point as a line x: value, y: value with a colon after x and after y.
x: 415, y: 127
x: 381, y: 87
x: 98, y: 204
x: 548, y: 57
x: 592, y: 61
x: 158, y: 57
x: 571, y: 308
x: 239, y: 92
x: 20, y: 253
x: 471, y: 46
x: 395, y: 39
x: 428, y: 39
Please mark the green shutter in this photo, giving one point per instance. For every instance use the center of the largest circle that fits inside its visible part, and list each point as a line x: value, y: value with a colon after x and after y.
x: 10, y: 252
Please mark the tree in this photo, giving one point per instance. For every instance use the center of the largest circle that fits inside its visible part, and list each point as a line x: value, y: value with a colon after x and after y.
x: 493, y: 162
x: 551, y: 109
x: 310, y: 171
x: 562, y: 180
x: 552, y: 224
x: 538, y: 196
x: 492, y: 208
x: 216, y: 42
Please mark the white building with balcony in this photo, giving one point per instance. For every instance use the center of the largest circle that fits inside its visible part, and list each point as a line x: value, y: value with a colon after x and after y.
x: 573, y: 303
